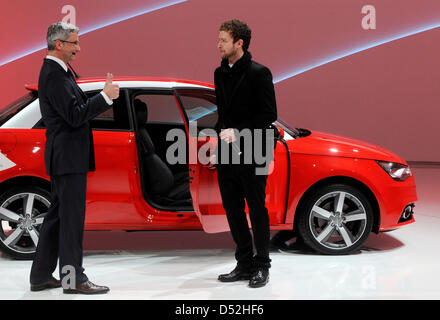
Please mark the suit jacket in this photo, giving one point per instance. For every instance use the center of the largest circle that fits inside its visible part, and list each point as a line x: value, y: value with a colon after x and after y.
x: 66, y: 112
x: 245, y: 96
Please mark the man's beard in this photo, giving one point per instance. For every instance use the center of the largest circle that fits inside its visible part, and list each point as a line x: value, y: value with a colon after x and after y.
x: 229, y: 55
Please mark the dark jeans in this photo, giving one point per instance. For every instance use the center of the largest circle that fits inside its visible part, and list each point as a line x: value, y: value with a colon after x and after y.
x: 237, y: 183
x: 61, y: 234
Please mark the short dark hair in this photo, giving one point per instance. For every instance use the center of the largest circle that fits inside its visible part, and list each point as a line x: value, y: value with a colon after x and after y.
x: 238, y: 30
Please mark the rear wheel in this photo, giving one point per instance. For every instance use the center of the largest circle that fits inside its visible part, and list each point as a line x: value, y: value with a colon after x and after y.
x: 22, y: 211
x: 336, y: 219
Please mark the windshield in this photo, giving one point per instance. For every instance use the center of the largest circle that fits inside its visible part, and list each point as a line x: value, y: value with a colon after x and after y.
x: 294, y: 132
x: 13, y: 108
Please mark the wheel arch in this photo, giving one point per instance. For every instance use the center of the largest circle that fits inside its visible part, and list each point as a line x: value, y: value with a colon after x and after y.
x: 345, y: 180
x: 24, y: 180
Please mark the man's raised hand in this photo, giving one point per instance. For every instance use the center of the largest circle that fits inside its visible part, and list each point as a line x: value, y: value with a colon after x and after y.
x: 111, y: 89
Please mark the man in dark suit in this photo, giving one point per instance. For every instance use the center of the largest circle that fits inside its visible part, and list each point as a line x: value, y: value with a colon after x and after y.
x: 68, y: 157
x: 245, y: 100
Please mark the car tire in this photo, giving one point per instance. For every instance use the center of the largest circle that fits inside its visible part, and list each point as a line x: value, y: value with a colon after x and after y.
x: 336, y: 219
x: 22, y: 211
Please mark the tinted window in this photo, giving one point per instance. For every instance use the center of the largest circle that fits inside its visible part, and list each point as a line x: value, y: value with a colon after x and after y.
x: 115, y: 118
x: 13, y: 108
x: 161, y: 107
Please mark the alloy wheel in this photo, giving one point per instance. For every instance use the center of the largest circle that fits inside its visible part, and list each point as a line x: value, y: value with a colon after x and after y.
x: 338, y: 220
x: 21, y: 217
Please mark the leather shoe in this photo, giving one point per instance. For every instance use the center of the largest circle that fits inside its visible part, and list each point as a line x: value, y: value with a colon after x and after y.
x: 259, y: 279
x: 87, y: 288
x: 235, y: 275
x: 49, y: 284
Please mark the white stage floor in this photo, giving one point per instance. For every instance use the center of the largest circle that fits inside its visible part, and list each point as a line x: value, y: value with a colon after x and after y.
x: 402, y: 264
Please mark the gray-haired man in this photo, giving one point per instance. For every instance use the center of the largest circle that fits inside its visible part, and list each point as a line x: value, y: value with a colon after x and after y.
x: 68, y: 157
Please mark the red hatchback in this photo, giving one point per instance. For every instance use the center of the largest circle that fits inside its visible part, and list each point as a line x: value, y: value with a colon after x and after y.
x: 333, y: 191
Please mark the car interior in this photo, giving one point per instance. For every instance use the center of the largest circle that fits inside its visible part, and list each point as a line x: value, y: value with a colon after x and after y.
x: 165, y: 185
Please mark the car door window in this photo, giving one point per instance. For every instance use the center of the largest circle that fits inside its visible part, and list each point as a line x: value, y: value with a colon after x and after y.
x: 200, y: 105
x: 115, y: 118
x: 161, y: 107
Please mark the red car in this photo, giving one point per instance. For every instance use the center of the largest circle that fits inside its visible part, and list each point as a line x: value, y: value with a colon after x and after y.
x: 333, y: 191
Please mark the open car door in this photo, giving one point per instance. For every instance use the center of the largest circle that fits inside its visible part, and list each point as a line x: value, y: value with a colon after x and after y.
x: 200, y: 113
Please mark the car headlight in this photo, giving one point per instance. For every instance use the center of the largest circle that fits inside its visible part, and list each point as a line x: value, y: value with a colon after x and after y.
x: 397, y: 171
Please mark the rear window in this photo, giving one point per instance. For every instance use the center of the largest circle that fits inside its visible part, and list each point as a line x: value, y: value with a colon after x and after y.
x: 13, y: 108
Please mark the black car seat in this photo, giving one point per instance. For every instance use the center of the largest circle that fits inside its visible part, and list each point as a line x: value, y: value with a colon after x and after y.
x: 162, y: 185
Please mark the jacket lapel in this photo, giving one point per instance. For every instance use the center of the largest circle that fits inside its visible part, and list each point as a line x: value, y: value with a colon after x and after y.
x: 75, y: 85
x: 69, y: 75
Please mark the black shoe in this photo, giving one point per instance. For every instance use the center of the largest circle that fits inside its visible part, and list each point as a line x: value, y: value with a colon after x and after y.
x: 259, y: 279
x: 87, y: 288
x: 235, y: 275
x: 49, y: 284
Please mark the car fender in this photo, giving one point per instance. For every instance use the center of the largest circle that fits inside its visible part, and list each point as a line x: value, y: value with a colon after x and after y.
x: 309, y: 170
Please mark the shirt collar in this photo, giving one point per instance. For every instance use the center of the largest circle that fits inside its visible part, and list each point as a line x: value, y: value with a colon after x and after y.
x: 60, y: 62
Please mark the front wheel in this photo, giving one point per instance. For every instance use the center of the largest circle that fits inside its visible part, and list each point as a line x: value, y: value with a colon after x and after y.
x: 336, y: 219
x: 22, y: 211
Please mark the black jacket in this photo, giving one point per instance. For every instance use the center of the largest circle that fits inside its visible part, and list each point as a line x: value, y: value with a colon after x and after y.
x: 66, y: 112
x: 245, y: 95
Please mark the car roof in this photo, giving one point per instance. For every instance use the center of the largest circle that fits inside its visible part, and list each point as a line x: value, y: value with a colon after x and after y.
x: 30, y: 115
x: 132, y: 81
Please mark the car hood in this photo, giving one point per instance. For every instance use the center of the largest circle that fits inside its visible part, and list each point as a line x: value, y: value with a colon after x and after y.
x: 321, y: 143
